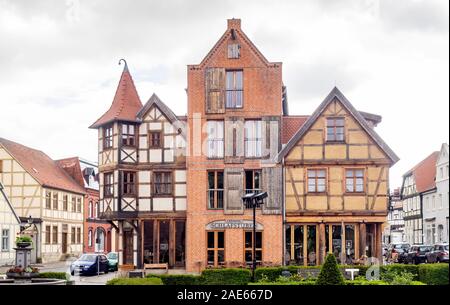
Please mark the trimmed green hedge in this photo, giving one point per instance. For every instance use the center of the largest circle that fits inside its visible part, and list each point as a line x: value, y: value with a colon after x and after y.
x: 179, y: 279
x: 229, y: 276
x: 434, y: 274
x: 297, y: 283
x: 54, y: 275
x: 365, y: 283
x: 273, y: 273
x: 135, y: 281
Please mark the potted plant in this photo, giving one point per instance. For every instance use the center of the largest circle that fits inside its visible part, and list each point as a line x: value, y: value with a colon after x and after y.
x: 18, y: 272
x: 23, y: 241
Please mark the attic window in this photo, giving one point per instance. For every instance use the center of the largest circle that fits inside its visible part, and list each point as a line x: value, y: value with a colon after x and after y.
x: 234, y: 50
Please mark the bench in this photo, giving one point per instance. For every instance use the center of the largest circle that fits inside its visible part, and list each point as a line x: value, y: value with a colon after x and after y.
x: 156, y: 266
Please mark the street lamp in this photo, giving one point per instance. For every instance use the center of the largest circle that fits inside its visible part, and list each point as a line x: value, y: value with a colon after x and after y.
x: 253, y: 201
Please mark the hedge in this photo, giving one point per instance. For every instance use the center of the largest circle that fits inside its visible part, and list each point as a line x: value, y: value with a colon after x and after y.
x: 436, y: 274
x: 135, y: 281
x: 54, y: 275
x: 179, y: 279
x: 298, y: 283
x: 229, y: 276
x: 365, y: 283
x: 273, y: 273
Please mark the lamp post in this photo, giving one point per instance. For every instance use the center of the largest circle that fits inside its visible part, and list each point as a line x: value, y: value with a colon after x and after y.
x: 253, y: 201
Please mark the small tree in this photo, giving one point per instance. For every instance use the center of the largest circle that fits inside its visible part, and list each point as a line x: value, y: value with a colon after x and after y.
x: 330, y: 273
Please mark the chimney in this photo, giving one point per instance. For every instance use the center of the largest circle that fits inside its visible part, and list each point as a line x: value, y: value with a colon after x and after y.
x: 234, y: 24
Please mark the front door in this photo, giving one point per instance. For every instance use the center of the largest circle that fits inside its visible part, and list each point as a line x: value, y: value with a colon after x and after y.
x: 64, y: 243
x: 128, y: 246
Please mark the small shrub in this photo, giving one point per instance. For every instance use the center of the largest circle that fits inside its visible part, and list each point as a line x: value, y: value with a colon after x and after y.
x: 405, y: 278
x: 135, y: 281
x: 179, y: 279
x: 330, y: 273
x: 364, y: 282
x: 230, y: 276
x: 54, y: 275
x: 399, y: 269
x: 434, y: 274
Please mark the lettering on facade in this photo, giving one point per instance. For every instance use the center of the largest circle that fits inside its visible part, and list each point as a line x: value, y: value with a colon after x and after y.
x: 233, y: 224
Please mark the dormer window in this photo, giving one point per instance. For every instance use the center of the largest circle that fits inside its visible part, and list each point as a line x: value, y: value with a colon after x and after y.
x: 335, y: 129
x: 107, y: 137
x: 128, y: 135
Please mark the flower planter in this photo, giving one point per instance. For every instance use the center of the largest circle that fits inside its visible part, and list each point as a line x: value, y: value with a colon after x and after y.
x: 23, y: 244
x: 22, y: 276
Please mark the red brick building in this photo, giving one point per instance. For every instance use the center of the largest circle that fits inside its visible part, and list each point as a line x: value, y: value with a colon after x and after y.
x: 235, y: 104
x: 99, y: 235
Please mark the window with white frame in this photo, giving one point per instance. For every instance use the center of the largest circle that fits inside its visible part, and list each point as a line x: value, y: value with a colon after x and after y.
x: 5, y: 240
x: 253, y: 138
x: 90, y: 209
x: 90, y: 238
x: 215, y: 139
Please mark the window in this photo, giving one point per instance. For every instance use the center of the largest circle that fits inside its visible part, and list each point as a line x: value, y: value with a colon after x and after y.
x: 215, y: 190
x: 108, y: 137
x: 252, y: 181
x: 79, y: 204
x: 90, y: 207
x: 47, y: 234
x: 128, y: 135
x: 48, y: 200
x: 55, y: 235
x: 249, y: 240
x: 441, y: 202
x: 234, y: 89
x: 234, y: 50
x: 163, y: 183
x: 253, y: 139
x: 65, y: 202
x: 74, y: 204
x: 354, y: 180
x: 316, y: 180
x: 97, y: 210
x: 215, y: 139
x: 129, y: 183
x: 442, y: 172
x: 108, y: 188
x: 78, y: 235
x: 5, y: 240
x: 215, y: 248
x: 154, y: 139
x: 72, y: 235
x: 90, y: 238
x: 335, y: 129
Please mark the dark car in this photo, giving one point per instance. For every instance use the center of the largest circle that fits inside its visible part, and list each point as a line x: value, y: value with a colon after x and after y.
x: 89, y: 264
x: 397, y: 252
x: 439, y: 254
x: 417, y: 254
x: 113, y: 261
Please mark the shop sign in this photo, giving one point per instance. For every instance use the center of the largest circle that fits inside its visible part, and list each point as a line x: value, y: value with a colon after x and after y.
x: 232, y: 224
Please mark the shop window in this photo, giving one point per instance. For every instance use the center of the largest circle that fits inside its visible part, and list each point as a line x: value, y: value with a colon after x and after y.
x: 311, y: 243
x: 349, y: 244
x: 148, y: 242
x: 215, y: 248
x: 337, y: 241
x: 180, y: 242
x: 215, y: 190
x: 248, y: 247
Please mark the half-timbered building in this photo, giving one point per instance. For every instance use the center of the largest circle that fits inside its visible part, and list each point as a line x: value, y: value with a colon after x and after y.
x: 142, y: 174
x: 9, y: 229
x: 336, y: 171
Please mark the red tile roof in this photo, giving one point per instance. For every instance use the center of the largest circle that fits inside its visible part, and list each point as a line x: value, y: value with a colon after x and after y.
x: 290, y: 125
x: 72, y: 167
x: 126, y: 103
x: 425, y: 173
x: 46, y: 171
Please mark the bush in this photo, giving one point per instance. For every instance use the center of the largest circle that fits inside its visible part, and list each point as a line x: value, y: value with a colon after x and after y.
x: 330, y: 273
x: 400, y: 269
x: 54, y: 275
x: 436, y: 274
x: 365, y: 282
x: 179, y: 279
x: 229, y: 276
x: 293, y: 283
x: 135, y: 281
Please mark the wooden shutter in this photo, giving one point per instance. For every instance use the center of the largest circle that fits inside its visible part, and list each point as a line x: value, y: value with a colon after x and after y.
x: 234, y: 182
x: 234, y: 140
x: 270, y: 137
x: 215, y: 90
x: 273, y: 184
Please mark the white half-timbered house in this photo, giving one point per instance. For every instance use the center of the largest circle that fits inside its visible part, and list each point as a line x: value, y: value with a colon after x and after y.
x: 9, y: 229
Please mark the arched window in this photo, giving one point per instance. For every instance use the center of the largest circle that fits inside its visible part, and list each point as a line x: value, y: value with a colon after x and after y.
x: 100, y: 240
x: 90, y: 209
x: 96, y: 214
x: 90, y: 237
x: 98, y: 209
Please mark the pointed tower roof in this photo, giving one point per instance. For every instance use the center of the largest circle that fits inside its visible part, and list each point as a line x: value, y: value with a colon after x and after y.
x: 126, y: 103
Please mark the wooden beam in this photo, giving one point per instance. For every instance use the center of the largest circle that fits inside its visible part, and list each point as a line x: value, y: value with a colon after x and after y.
x: 297, y: 199
x: 377, y: 187
x: 363, y: 232
x: 305, y: 245
x: 322, y: 245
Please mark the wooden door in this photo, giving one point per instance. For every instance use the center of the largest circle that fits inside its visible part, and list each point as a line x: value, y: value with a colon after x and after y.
x: 128, y: 246
x: 64, y: 243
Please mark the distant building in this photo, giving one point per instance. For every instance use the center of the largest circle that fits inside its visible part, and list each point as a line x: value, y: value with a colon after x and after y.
x: 435, y: 210
x: 394, y: 231
x: 9, y: 229
x: 42, y: 192
x: 418, y: 190
x: 99, y: 236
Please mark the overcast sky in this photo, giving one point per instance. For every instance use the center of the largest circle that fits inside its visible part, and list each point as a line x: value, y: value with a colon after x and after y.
x: 59, y: 62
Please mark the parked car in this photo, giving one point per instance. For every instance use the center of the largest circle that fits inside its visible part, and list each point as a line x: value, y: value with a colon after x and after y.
x: 89, y: 264
x: 417, y: 254
x: 439, y: 254
x: 397, y: 252
x: 113, y: 261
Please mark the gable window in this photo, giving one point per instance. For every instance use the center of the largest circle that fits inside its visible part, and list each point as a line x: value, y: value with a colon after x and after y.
x: 128, y: 135
x: 163, y: 183
x: 48, y: 200
x: 65, y: 202
x: 55, y: 200
x: 234, y: 50
x: 317, y: 180
x: 234, y: 89
x: 215, y: 253
x: 215, y: 190
x: 154, y: 139
x: 108, y: 137
x: 335, y: 129
x: 215, y: 139
x: 108, y: 188
x: 5, y: 240
x: 253, y: 139
x: 354, y: 180
x: 129, y: 183
x: 252, y: 181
